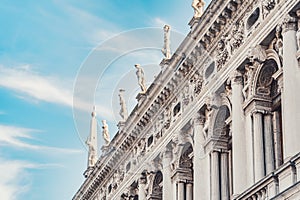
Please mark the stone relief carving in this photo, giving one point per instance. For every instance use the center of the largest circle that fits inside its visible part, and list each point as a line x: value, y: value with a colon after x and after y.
x: 298, y: 30
x: 229, y: 43
x: 222, y: 54
x: 268, y: 5
x: 265, y: 78
x: 248, y: 77
x: 208, y: 115
x: 197, y: 83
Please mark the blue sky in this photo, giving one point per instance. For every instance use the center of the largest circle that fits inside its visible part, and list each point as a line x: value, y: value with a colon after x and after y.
x: 44, y: 47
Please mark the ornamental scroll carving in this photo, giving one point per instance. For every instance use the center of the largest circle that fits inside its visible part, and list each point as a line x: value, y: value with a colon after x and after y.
x: 229, y: 43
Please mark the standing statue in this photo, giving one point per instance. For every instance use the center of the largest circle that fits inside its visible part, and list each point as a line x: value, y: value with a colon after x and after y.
x: 167, y: 49
x: 279, y: 44
x: 141, y: 77
x: 105, y: 132
x: 298, y: 38
x: 92, y: 159
x: 198, y: 6
x: 249, y: 71
x: 208, y: 115
x: 123, y: 111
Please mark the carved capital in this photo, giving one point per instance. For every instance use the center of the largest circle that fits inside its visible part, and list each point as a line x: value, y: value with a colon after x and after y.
x: 236, y: 78
x: 199, y: 119
x: 289, y: 24
x: 143, y: 178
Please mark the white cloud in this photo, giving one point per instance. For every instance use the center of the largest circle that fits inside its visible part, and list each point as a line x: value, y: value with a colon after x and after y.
x: 15, y: 137
x: 12, y: 173
x: 159, y: 22
x: 15, y: 179
x: 34, y: 85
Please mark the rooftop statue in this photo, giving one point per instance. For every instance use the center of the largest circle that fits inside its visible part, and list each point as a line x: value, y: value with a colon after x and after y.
x: 167, y: 49
x: 141, y: 77
x: 105, y: 132
x: 123, y: 111
x: 198, y: 6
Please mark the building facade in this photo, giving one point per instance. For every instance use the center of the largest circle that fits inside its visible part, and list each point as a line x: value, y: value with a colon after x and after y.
x: 221, y: 120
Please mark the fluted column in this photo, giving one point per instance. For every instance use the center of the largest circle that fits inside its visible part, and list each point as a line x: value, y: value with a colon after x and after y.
x: 167, y: 174
x: 269, y: 146
x: 224, y: 176
x: 142, y: 186
x: 277, y: 139
x: 291, y: 85
x: 201, y: 161
x: 189, y: 191
x: 215, y: 176
x: 180, y: 191
x: 239, y: 157
x: 259, y: 170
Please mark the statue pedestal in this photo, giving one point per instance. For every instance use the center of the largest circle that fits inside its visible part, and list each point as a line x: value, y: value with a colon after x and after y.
x: 141, y: 98
x: 165, y: 64
x: 120, y: 125
x: 88, y: 171
x: 104, y: 149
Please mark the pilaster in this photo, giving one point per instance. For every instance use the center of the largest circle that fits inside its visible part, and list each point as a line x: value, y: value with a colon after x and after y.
x: 291, y: 85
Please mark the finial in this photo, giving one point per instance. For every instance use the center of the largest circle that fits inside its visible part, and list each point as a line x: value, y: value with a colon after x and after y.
x: 94, y: 111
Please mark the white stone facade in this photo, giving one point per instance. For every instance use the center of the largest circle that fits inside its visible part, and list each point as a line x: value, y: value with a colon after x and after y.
x: 223, y: 120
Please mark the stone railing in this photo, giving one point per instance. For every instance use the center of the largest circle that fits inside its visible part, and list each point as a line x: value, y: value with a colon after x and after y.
x: 278, y: 182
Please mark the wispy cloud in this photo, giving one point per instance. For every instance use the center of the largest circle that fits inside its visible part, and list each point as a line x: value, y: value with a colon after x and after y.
x: 15, y: 179
x: 12, y: 173
x: 18, y: 137
x: 30, y: 83
x: 159, y: 22
x: 34, y: 87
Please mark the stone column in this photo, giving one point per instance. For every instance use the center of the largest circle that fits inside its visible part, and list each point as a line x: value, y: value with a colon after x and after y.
x: 269, y: 146
x: 189, y: 191
x: 142, y: 186
x: 291, y: 85
x: 277, y: 139
x: 224, y: 176
x: 215, y: 176
x: 259, y: 170
x: 201, y: 161
x: 239, y: 156
x: 180, y: 191
x: 167, y: 174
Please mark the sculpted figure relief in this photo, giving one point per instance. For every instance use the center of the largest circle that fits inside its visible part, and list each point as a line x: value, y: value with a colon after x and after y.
x: 167, y: 49
x: 298, y: 31
x: 198, y: 6
x: 141, y: 77
x: 249, y: 72
x: 105, y: 132
x: 208, y: 115
x: 123, y: 111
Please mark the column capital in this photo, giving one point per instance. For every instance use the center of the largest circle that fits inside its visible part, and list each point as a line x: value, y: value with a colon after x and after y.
x: 257, y: 111
x: 198, y: 119
x: 236, y: 78
x: 143, y: 178
x: 289, y: 23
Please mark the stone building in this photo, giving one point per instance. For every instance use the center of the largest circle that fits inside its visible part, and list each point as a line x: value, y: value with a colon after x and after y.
x: 223, y: 120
